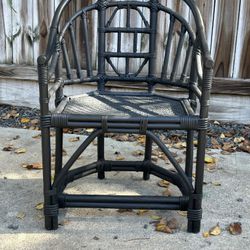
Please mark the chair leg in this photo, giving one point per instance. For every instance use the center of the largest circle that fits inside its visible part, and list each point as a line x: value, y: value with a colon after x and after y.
x: 59, y: 151
x: 148, y: 155
x: 189, y: 155
x: 50, y: 202
x: 100, y: 155
x: 195, y: 208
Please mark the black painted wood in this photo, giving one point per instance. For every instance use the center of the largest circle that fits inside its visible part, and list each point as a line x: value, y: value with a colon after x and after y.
x: 137, y: 113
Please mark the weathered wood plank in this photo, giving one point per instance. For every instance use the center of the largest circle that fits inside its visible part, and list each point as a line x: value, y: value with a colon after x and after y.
x: 7, y: 31
x: 2, y: 36
x: 223, y: 43
x: 220, y: 85
x: 242, y: 58
x: 207, y: 12
x: 45, y: 15
x: 36, y: 31
x: 22, y: 31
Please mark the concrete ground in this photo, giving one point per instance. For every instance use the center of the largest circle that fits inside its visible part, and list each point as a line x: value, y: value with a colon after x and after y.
x: 226, y: 200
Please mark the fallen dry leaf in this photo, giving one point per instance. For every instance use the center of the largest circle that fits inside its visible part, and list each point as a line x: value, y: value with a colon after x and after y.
x: 163, y: 183
x: 205, y: 234
x: 222, y: 136
x: 228, y: 146
x: 138, y: 153
x: 214, y: 141
x: 20, y: 150
x: 121, y: 137
x: 154, y: 158
x: 39, y: 206
x: 142, y: 211
x: 74, y: 139
x: 215, y: 231
x: 21, y: 215
x: 25, y: 120
x: 125, y: 210
x: 89, y: 130
x: 166, y: 192
x: 174, y: 154
x: 8, y: 148
x: 34, y: 122
x: 120, y: 158
x: 225, y: 152
x: 35, y: 166
x: 235, y: 228
x: 164, y: 157
x: 245, y: 146
x: 211, y: 168
x: 162, y: 226
x: 216, y: 183
x: 64, y: 222
x: 155, y: 152
x: 182, y: 213
x: 141, y: 139
x: 155, y: 217
x: 180, y: 145
x: 11, y: 114
x: 239, y: 139
x: 210, y: 159
x: 179, y: 160
x: 172, y: 223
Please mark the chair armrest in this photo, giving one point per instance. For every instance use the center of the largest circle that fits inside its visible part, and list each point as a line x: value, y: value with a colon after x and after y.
x: 43, y: 80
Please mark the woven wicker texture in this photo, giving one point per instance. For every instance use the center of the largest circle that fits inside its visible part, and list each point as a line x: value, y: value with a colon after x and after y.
x: 123, y: 105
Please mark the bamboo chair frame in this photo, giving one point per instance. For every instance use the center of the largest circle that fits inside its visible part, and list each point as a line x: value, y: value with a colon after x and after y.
x: 198, y: 85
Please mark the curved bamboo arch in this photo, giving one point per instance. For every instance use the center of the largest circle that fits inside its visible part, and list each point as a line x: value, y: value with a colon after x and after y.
x: 180, y: 179
x: 200, y: 29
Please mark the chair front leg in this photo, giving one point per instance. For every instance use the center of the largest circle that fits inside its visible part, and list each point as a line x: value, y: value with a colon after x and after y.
x: 195, y: 208
x: 189, y: 154
x: 100, y: 156
x: 59, y: 151
x: 148, y: 156
x: 50, y: 198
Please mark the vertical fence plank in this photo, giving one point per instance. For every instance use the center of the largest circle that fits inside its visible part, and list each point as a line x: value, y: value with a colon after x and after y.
x: 2, y: 36
x: 36, y: 31
x: 22, y: 32
x: 7, y: 31
x: 207, y: 12
x: 17, y: 31
x: 223, y: 44
x: 45, y: 14
x: 242, y: 58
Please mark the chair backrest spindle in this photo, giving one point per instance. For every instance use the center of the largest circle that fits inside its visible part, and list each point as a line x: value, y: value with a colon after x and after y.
x: 86, y: 45
x: 178, y: 53
x: 75, y: 51
x: 168, y: 47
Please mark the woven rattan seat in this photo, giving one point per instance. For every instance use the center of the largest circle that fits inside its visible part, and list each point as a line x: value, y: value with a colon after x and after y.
x: 124, y: 105
x: 161, y: 49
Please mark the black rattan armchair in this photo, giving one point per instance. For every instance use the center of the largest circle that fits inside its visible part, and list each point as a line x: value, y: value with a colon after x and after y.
x: 125, y: 112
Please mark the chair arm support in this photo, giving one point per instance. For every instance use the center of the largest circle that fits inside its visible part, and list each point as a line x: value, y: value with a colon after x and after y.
x: 43, y: 79
x: 53, y: 89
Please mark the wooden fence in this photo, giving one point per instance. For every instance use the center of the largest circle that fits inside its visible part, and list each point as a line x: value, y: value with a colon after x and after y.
x: 24, y: 27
